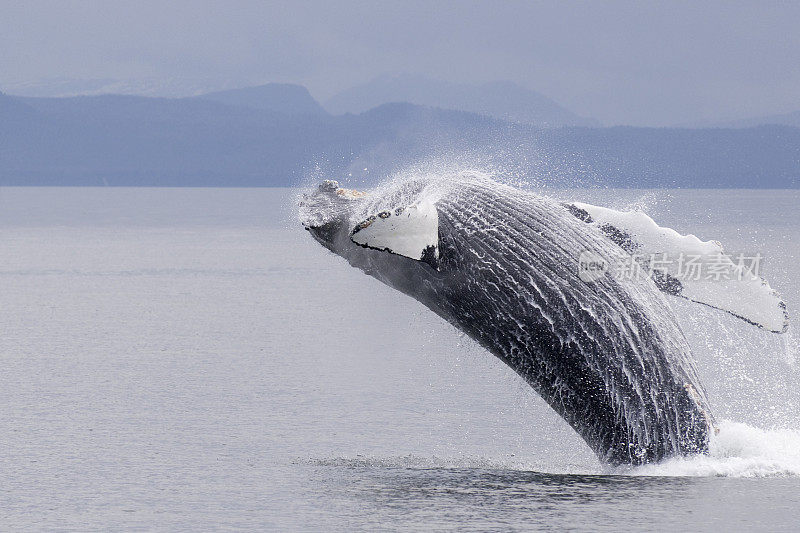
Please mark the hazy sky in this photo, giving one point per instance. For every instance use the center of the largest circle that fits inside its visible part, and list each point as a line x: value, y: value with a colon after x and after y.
x: 621, y: 62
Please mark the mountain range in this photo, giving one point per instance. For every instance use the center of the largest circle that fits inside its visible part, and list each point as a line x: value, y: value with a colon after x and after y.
x: 277, y: 135
x: 284, y: 98
x: 502, y: 100
x: 786, y: 119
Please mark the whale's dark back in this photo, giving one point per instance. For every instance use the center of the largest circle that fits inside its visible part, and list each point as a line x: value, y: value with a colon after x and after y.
x: 607, y: 355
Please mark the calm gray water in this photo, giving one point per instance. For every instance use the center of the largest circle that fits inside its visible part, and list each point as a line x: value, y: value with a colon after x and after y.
x: 184, y: 359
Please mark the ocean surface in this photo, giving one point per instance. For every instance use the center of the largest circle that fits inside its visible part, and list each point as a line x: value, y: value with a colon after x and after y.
x: 189, y: 359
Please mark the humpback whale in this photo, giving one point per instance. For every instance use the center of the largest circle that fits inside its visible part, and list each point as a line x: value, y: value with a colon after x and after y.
x: 505, y: 266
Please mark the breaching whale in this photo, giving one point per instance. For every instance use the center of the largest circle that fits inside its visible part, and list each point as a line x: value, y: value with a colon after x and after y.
x: 504, y: 266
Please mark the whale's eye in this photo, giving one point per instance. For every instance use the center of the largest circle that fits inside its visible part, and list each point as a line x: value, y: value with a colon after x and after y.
x: 384, y: 214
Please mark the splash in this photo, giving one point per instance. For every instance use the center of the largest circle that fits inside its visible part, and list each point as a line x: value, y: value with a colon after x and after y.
x: 739, y: 450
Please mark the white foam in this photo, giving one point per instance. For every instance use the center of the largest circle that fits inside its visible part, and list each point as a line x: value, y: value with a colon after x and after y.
x: 739, y: 450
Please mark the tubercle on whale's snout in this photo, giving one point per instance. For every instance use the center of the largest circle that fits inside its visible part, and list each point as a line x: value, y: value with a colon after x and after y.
x: 350, y: 193
x: 332, y: 187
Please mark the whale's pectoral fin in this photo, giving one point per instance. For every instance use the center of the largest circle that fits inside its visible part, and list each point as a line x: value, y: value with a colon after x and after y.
x: 685, y: 266
x: 411, y: 231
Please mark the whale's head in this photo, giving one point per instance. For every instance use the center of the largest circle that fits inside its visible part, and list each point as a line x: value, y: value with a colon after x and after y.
x: 327, y: 214
x: 372, y: 231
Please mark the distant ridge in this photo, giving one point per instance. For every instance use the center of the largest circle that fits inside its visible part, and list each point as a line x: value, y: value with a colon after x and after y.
x: 142, y: 141
x: 503, y: 100
x: 786, y: 119
x: 285, y: 98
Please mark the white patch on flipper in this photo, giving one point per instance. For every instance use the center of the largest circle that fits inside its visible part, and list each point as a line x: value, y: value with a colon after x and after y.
x: 744, y: 295
x: 411, y: 231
